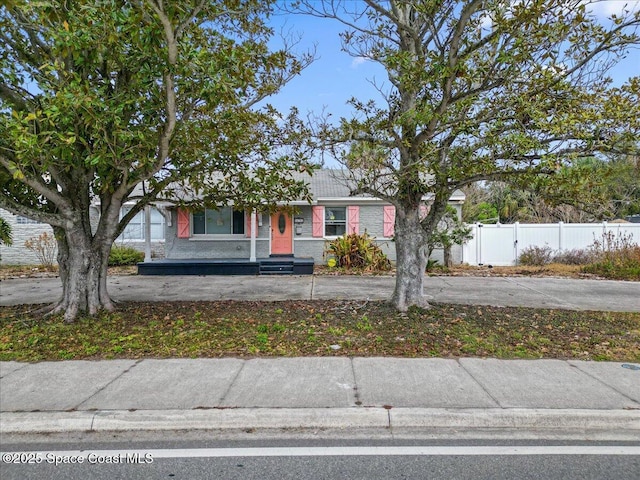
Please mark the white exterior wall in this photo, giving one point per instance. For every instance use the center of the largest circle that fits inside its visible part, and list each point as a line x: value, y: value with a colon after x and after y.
x: 17, y: 254
x: 502, y: 244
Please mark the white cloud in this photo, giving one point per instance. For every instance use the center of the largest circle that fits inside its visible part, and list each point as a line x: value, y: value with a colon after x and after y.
x: 606, y: 8
x: 356, y: 62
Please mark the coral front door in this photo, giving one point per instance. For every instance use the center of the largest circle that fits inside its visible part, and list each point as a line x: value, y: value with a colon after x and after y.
x: 281, y: 234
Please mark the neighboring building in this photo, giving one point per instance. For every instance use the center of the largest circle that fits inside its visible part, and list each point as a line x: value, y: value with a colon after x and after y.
x: 24, y: 228
x: 225, y: 233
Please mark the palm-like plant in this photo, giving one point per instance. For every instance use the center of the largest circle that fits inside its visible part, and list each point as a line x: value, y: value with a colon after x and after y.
x: 5, y: 232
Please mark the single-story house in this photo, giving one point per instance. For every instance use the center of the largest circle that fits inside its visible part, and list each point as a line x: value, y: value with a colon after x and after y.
x: 227, y: 233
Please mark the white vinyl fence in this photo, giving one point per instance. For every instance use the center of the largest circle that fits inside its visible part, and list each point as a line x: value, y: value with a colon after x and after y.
x: 502, y: 244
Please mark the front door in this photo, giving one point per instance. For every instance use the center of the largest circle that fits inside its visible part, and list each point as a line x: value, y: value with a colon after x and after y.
x: 281, y: 234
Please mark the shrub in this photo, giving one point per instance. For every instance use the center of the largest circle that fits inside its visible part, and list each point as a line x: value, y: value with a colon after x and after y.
x: 5, y: 233
x: 354, y: 251
x: 615, y: 256
x: 45, y: 247
x: 576, y: 256
x: 121, y: 255
x: 432, y: 264
x: 536, y: 256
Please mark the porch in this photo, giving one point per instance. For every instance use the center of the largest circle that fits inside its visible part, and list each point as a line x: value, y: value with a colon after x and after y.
x: 274, y: 265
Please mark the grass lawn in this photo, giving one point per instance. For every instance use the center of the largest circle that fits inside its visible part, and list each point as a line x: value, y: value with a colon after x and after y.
x: 319, y: 328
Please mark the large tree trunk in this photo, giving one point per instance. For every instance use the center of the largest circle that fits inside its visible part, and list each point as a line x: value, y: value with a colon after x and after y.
x: 411, y: 261
x: 82, y: 262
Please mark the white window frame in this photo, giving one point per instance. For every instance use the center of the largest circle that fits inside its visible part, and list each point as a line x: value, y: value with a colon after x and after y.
x: 334, y: 223
x: 132, y: 224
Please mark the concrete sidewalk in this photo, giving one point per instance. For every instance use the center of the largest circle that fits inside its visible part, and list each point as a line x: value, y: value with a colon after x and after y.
x: 564, y: 293
x: 586, y: 399
x: 565, y: 399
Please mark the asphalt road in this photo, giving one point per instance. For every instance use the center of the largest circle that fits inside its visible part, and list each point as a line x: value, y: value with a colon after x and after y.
x: 324, y: 459
x: 572, y: 294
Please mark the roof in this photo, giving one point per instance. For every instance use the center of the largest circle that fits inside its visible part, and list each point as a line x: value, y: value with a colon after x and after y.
x: 335, y: 184
x: 324, y: 185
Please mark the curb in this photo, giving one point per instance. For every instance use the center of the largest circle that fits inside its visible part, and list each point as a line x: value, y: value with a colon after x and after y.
x: 624, y: 422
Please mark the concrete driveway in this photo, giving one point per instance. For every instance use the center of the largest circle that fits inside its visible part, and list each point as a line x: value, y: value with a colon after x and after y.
x: 605, y: 295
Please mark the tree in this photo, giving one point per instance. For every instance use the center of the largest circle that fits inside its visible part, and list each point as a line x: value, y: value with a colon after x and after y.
x: 590, y: 190
x: 451, y: 231
x: 476, y: 90
x: 623, y: 185
x: 104, y: 98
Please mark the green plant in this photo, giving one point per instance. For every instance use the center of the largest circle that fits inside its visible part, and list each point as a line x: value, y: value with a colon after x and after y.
x: 262, y: 339
x: 364, y: 324
x: 450, y: 231
x: 337, y: 331
x: 355, y: 251
x: 431, y: 264
x: 122, y: 255
x: 536, y: 256
x: 45, y: 247
x: 5, y: 233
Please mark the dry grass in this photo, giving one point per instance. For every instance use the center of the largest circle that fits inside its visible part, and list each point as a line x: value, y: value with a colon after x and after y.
x: 40, y: 271
x: 551, y: 270
x: 319, y: 328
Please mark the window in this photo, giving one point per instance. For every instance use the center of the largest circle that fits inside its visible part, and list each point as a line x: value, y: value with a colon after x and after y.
x: 224, y: 221
x: 335, y: 221
x: 20, y: 220
x: 135, y: 229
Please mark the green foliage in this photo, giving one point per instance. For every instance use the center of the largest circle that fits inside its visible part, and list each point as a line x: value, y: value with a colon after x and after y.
x: 360, y: 252
x: 5, y: 233
x: 122, y: 255
x: 590, y: 189
x: 450, y: 231
x: 478, y: 91
x: 487, y: 213
x: 432, y: 264
x: 45, y: 247
x: 99, y: 97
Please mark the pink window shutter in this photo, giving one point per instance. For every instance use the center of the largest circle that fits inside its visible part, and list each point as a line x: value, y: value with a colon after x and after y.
x: 388, y: 220
x: 353, y: 219
x: 183, y: 223
x: 317, y: 218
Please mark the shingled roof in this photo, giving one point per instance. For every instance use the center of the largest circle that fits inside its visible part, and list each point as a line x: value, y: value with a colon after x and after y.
x: 328, y: 184
x: 324, y: 185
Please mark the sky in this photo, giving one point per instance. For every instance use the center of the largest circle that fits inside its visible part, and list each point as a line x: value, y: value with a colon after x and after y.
x: 334, y: 77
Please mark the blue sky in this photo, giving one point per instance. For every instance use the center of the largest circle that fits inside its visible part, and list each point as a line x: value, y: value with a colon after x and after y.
x: 334, y: 77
